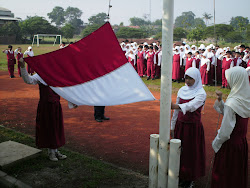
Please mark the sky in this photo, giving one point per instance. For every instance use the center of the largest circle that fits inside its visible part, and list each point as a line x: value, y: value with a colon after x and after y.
x: 122, y: 10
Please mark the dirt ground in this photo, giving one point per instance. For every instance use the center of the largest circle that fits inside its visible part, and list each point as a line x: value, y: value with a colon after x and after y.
x: 123, y: 140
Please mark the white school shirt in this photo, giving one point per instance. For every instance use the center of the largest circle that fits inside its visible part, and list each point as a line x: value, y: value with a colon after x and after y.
x: 159, y: 58
x: 11, y: 52
x: 29, y: 53
x: 36, y: 79
x: 193, y: 62
x: 227, y: 124
x: 155, y: 57
x: 210, y: 55
x: 204, y: 61
x: 239, y: 61
x: 246, y: 58
x: 190, y: 106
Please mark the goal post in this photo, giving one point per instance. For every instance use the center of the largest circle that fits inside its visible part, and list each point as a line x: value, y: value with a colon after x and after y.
x: 36, y: 38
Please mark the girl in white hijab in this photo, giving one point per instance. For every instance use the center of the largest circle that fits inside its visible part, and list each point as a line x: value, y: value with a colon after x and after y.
x: 186, y: 125
x: 230, y: 144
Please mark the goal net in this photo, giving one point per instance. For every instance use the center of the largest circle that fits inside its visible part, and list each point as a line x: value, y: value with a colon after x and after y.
x: 52, y: 37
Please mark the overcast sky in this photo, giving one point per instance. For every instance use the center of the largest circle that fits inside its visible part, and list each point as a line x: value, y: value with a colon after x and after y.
x: 122, y: 10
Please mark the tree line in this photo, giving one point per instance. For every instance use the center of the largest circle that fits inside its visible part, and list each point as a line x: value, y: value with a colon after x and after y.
x: 68, y: 23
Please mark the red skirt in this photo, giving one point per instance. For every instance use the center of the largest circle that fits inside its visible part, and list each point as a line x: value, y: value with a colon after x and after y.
x: 192, y: 162
x: 49, y: 125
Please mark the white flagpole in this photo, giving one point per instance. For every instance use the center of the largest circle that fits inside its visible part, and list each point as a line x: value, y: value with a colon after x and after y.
x: 166, y: 91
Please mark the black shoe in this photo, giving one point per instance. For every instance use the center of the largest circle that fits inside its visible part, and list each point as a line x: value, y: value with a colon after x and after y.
x: 12, y: 76
x: 98, y: 120
x: 153, y: 78
x: 105, y: 118
x: 222, y: 86
x: 148, y: 77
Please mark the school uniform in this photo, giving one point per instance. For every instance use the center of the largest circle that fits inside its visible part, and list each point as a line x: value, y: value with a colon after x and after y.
x: 237, y: 61
x: 230, y: 168
x: 188, y: 127
x: 190, y: 62
x: 211, y: 57
x: 218, y: 66
x: 19, y: 55
x: 182, y: 65
x: 11, y: 61
x: 176, y: 67
x: 158, y: 64
x: 204, y: 67
x: 197, y: 62
x: 150, y: 64
x: 227, y: 63
x: 49, y: 119
x: 140, y: 62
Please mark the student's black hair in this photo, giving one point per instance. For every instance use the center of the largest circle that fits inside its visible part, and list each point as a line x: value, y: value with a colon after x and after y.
x: 156, y: 47
x: 151, y: 44
x: 247, y: 47
x: 203, y: 50
x: 140, y: 46
x: 237, y: 53
x: 242, y: 46
x: 151, y: 47
x: 190, y: 53
x: 217, y: 46
x: 229, y: 52
x: 71, y: 43
x: 242, y: 53
x: 146, y: 46
x: 63, y: 43
x: 233, y: 51
x: 197, y: 52
x: 9, y: 46
x: 126, y: 40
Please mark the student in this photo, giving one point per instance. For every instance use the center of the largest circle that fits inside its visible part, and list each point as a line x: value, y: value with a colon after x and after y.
x: 146, y: 50
x: 11, y: 60
x: 190, y: 62
x: 186, y: 125
x: 237, y: 59
x: 140, y: 61
x: 150, y: 64
x: 197, y: 59
x: 230, y: 145
x: 19, y: 55
x: 204, y: 69
x: 29, y: 52
x: 210, y: 55
x: 49, y: 119
x: 158, y: 63
x: 227, y: 63
x: 177, y: 61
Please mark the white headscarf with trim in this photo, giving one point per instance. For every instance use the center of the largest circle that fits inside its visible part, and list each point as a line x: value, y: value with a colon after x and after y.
x: 239, y: 97
x: 189, y: 92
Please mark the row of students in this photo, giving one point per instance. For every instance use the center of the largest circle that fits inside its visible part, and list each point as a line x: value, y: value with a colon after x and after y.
x: 230, y: 168
x: 13, y: 56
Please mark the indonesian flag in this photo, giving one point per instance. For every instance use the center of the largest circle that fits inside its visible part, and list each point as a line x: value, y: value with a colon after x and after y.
x: 93, y: 71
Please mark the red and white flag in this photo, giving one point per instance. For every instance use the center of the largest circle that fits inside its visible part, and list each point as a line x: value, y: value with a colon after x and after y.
x: 93, y: 71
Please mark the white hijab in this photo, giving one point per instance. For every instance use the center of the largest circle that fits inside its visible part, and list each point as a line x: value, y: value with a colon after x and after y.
x: 189, y: 92
x: 239, y: 97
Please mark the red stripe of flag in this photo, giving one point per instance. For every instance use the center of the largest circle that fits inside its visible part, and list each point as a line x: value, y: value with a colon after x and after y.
x: 91, y: 57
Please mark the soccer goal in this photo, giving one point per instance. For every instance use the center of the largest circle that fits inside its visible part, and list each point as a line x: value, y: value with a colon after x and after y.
x: 36, y: 38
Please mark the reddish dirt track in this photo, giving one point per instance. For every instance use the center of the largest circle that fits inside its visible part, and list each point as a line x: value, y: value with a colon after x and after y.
x: 124, y: 140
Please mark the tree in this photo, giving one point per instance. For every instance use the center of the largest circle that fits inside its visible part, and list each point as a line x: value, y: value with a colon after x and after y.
x: 179, y: 33
x: 157, y: 22
x: 239, y: 23
x: 35, y: 25
x: 68, y: 31
x: 248, y: 32
x: 221, y: 31
x: 207, y: 17
x: 10, y: 29
x: 135, y: 21
x: 77, y: 24
x: 98, y: 19
x: 195, y: 35
x: 186, y: 20
x: 126, y: 32
x: 72, y: 13
x: 198, y: 22
x: 234, y: 37
x: 90, y: 29
x: 158, y: 36
x: 57, y: 16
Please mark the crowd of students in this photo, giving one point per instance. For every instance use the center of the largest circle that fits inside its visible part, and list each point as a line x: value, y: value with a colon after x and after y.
x: 212, y: 61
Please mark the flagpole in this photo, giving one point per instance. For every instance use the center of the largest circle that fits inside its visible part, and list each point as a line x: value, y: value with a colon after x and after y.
x: 166, y: 91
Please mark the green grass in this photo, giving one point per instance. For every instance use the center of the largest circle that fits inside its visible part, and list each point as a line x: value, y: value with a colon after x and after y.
x: 76, y: 169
